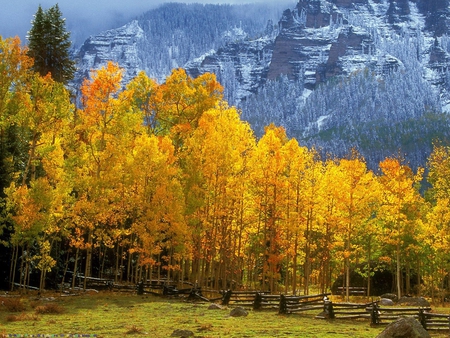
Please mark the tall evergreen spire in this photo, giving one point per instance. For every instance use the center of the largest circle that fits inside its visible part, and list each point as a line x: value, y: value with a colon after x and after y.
x: 49, y: 44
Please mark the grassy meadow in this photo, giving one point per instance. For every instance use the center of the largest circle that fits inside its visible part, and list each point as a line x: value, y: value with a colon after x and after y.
x: 123, y: 315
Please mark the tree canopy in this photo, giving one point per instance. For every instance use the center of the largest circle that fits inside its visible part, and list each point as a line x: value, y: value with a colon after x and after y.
x: 166, y: 180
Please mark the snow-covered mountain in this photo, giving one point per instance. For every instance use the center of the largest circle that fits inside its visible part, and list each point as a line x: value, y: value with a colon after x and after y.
x: 263, y: 56
x: 172, y: 35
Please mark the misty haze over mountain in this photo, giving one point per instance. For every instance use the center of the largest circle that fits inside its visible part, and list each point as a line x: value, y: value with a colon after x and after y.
x: 85, y: 18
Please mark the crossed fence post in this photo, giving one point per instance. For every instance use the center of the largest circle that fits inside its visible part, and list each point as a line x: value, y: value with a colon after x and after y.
x: 283, y: 305
x: 140, y: 288
x: 226, y: 297
x: 375, y: 314
x: 422, y: 318
x: 257, y: 303
x: 328, y: 308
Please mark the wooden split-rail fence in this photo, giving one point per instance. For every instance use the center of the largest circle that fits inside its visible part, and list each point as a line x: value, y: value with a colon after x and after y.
x: 428, y: 319
x: 377, y: 315
x: 259, y: 300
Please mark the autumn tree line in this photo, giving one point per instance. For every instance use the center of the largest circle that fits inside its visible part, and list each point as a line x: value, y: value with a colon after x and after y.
x: 154, y: 180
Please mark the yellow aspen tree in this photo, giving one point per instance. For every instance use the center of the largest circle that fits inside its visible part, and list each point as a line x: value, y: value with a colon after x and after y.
x: 14, y: 70
x: 331, y: 244
x: 181, y: 101
x: 268, y: 165
x: 399, y: 201
x: 219, y: 149
x: 437, y: 235
x: 298, y: 159
x: 177, y: 105
x: 312, y: 214
x: 144, y: 95
x: 45, y: 109
x: 156, y: 203
x: 356, y: 200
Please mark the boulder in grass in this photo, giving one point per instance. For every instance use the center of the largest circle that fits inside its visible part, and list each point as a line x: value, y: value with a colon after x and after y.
x: 414, y: 301
x: 238, y: 312
x: 391, y: 296
x: 405, y: 327
x: 182, y: 333
x: 386, y: 302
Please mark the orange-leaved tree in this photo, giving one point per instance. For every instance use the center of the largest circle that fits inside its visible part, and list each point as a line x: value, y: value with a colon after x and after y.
x: 103, y: 129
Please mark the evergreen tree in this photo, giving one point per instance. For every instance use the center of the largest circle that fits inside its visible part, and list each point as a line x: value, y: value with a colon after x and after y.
x: 49, y: 45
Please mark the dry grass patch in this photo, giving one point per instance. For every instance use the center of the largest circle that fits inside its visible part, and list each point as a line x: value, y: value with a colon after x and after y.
x: 12, y: 304
x: 134, y: 330
x: 22, y: 317
x: 205, y: 327
x: 50, y: 308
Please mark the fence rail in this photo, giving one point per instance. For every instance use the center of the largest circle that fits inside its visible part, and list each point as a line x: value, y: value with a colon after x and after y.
x: 286, y: 304
x: 352, y: 290
x: 295, y: 304
x: 436, y: 321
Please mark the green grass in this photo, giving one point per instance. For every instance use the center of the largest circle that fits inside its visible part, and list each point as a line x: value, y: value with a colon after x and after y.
x: 120, y: 315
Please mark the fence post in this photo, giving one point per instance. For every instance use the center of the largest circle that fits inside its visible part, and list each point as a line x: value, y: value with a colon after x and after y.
x: 422, y: 318
x: 283, y: 305
x: 257, y: 303
x: 226, y: 297
x: 375, y: 315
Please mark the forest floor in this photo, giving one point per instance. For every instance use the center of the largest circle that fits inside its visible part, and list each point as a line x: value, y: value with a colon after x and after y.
x: 108, y: 314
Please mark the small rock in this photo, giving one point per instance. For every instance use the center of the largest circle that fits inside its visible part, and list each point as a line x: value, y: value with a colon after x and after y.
x: 238, y: 312
x: 182, y: 333
x: 406, y: 327
x: 214, y: 306
x: 386, y: 302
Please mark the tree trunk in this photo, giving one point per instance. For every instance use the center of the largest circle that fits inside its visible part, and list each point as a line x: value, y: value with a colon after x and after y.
x: 294, y: 266
x: 307, y: 251
x: 347, y: 279
x: 399, y: 286
x: 408, y: 277
x: 117, y: 263
x: 12, y: 271
x: 74, y: 276
x: 87, y: 270
x: 66, y: 267
x: 129, y: 272
x: 22, y: 264
x: 369, y: 267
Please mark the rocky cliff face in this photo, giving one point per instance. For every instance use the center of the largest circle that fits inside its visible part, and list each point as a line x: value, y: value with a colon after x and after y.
x: 241, y: 67
x: 119, y: 45
x: 322, y: 39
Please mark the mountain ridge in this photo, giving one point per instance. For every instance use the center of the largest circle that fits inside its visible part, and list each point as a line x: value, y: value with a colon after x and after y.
x: 318, y: 43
